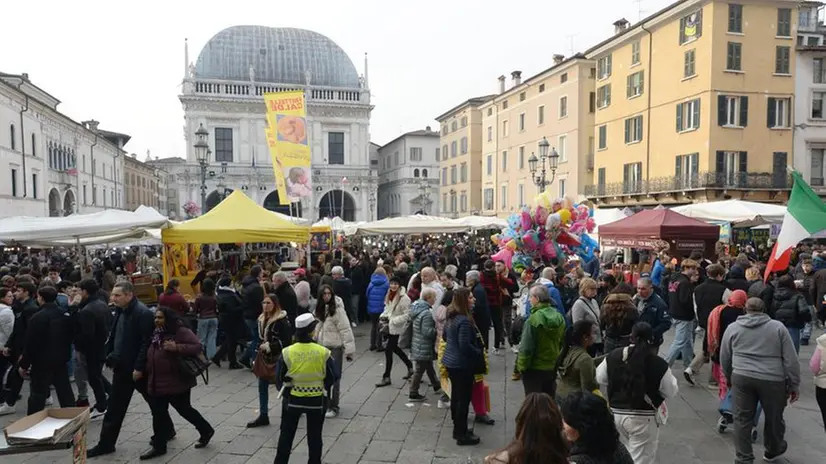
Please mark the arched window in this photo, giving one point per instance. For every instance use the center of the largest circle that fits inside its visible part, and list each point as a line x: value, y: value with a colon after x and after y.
x: 11, y: 137
x: 34, y: 145
x: 415, y: 173
x: 424, y: 173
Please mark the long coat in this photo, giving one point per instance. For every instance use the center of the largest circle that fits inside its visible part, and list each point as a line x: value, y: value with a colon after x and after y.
x: 163, y: 367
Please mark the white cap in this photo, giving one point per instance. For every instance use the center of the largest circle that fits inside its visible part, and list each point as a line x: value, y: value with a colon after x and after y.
x: 304, y: 321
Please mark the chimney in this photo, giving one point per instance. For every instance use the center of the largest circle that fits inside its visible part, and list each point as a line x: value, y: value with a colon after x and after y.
x: 502, y: 84
x: 558, y: 58
x: 517, y: 78
x: 91, y: 124
x: 620, y: 25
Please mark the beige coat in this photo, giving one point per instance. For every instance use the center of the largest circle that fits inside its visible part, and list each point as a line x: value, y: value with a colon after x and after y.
x: 397, y: 311
x: 336, y: 332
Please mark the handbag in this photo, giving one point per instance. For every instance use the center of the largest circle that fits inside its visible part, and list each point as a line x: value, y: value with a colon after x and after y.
x: 193, y: 366
x: 264, y: 366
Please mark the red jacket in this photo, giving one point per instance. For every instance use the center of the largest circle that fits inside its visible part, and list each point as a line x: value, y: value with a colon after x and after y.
x: 164, y: 377
x: 174, y: 301
x: 495, y: 285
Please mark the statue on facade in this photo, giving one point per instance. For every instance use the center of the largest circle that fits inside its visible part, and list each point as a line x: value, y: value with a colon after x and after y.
x: 252, y: 73
x: 307, y: 76
x: 192, y: 70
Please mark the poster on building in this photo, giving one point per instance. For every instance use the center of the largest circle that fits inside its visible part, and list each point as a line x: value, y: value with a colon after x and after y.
x: 290, y: 149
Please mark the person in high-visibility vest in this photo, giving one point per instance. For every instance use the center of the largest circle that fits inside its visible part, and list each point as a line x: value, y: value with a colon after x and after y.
x: 304, y: 375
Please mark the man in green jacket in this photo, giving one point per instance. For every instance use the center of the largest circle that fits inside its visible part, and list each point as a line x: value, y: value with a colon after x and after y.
x: 542, y: 338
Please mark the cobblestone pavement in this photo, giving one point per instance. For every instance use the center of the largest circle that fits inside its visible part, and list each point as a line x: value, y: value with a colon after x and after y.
x: 379, y: 425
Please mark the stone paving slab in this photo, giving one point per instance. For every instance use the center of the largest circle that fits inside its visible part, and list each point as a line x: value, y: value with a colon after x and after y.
x: 378, y: 425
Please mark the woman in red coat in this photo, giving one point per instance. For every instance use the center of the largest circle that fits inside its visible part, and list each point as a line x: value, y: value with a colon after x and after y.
x: 172, y: 298
x: 167, y: 385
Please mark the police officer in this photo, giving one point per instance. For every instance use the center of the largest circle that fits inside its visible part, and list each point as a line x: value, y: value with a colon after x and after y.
x: 303, y: 375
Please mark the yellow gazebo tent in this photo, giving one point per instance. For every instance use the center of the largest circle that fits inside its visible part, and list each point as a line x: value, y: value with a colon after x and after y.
x: 237, y: 219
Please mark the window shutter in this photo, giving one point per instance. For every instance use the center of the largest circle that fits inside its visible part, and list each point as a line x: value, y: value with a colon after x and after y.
x: 642, y: 82
x: 744, y: 111
x: 744, y: 156
x: 697, y: 113
x: 679, y: 117
x: 721, y: 161
x: 699, y: 23
x: 627, y: 130
x: 772, y: 112
x: 730, y: 56
x: 625, y: 170
x: 721, y: 110
x: 695, y: 164
x: 678, y: 167
x: 681, y: 39
x: 628, y: 86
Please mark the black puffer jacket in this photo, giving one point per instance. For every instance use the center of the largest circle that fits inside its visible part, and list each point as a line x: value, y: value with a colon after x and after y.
x: 790, y: 308
x: 94, y: 322
x: 252, y: 296
x: 581, y: 455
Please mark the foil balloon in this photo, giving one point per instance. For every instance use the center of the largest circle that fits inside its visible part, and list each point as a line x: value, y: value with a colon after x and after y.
x: 586, y: 247
x: 577, y: 228
x: 568, y: 239
x: 495, y: 238
x: 530, y: 241
x: 514, y: 221
x: 564, y: 215
x: 541, y: 215
x: 556, y: 205
x: 548, y: 249
x: 512, y: 245
x: 544, y: 199
x: 504, y: 256
x: 507, y: 234
x: 590, y: 224
x: 527, y: 221
x: 521, y: 262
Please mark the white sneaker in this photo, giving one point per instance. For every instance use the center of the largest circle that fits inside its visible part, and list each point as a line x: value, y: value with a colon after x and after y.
x: 95, y: 414
x: 354, y: 325
x: 330, y: 414
x: 442, y: 404
x: 49, y: 401
x: 689, y: 376
x: 5, y: 409
x: 515, y: 349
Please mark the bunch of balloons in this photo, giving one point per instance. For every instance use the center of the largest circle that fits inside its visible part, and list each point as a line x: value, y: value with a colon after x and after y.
x: 554, y: 228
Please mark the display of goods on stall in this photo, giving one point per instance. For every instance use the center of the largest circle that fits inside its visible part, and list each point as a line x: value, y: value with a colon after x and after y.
x: 553, y: 228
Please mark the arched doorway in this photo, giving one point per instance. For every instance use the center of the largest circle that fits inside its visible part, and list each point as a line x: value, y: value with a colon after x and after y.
x: 69, y: 203
x: 337, y: 203
x: 214, y: 198
x: 273, y: 203
x: 54, y: 203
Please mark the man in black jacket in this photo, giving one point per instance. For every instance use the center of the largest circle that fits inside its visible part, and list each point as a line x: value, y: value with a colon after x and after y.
x: 252, y: 295
x: 126, y: 356
x: 93, y: 323
x: 24, y: 297
x: 681, y: 307
x: 286, y: 296
x: 343, y: 288
x: 46, y: 352
x: 708, y: 295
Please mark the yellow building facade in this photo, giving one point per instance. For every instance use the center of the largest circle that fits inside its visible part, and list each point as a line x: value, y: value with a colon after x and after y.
x: 557, y: 104
x: 460, y: 165
x: 694, y: 104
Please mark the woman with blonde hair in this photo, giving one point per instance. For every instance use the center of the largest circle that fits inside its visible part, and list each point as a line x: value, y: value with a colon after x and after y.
x: 586, y: 308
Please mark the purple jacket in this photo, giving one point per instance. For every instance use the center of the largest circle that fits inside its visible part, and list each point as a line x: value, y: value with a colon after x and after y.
x: 164, y: 377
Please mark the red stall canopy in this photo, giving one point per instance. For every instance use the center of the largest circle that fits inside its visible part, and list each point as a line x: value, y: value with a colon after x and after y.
x: 648, y: 228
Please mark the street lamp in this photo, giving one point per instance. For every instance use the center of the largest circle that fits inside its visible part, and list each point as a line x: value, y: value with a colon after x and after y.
x: 372, y: 202
x: 424, y: 197
x: 202, y: 155
x: 552, y: 163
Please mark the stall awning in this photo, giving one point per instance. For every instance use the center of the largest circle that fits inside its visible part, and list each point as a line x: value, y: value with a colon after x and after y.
x: 738, y: 212
x: 417, y: 224
x: 111, y: 222
x: 237, y: 219
x: 662, y: 224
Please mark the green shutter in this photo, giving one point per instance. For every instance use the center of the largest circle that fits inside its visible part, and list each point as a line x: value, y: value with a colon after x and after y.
x: 744, y: 111
x: 772, y: 112
x: 627, y: 130
x: 697, y: 113
x: 679, y: 117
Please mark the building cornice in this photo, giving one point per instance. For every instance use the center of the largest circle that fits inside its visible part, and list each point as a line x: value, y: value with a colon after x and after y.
x: 220, y: 105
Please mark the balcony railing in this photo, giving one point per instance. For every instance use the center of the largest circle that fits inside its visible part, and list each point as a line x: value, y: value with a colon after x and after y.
x: 257, y: 90
x: 701, y: 181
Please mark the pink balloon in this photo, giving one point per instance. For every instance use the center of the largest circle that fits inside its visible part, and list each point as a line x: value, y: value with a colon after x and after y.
x: 527, y: 222
x: 541, y: 215
x: 505, y: 256
x: 530, y: 240
x: 548, y: 249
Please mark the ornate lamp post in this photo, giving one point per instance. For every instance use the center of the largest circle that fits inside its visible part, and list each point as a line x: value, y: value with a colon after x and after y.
x: 202, y: 155
x: 552, y: 164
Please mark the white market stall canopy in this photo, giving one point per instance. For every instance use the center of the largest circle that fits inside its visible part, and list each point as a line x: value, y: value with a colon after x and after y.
x: 738, y: 212
x: 603, y: 216
x: 111, y: 224
x: 339, y: 225
x: 417, y: 224
x: 482, y: 222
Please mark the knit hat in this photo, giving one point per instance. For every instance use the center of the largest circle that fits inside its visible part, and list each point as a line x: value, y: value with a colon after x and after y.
x: 737, y: 299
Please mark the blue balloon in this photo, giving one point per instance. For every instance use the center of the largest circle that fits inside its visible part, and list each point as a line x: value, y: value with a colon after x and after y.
x: 586, y: 248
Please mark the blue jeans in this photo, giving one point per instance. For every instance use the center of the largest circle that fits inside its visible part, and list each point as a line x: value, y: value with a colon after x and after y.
x: 795, y: 333
x: 208, y: 333
x: 252, y: 346
x: 683, y: 343
x: 263, y: 398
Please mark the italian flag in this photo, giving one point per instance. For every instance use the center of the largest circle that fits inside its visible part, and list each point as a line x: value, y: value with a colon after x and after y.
x: 805, y: 216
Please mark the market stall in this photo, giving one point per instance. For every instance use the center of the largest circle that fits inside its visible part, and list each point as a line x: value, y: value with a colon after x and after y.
x: 416, y: 224
x: 658, y: 229
x: 737, y: 212
x: 237, y: 219
x: 482, y: 222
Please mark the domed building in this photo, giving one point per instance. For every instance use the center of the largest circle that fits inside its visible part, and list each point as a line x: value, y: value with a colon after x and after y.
x: 224, y: 90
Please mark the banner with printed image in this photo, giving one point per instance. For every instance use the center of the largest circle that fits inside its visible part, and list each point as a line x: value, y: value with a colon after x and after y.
x: 287, y: 137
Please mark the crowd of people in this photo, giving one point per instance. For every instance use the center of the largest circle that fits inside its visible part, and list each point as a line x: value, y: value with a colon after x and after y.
x: 587, y: 344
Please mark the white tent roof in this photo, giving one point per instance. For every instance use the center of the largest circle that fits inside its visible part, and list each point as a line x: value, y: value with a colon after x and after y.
x: 740, y: 213
x: 417, y: 224
x: 482, y: 222
x: 110, y: 223
x: 293, y: 219
x: 337, y: 224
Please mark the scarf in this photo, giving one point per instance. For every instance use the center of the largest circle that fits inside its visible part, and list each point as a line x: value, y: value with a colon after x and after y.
x: 157, y: 337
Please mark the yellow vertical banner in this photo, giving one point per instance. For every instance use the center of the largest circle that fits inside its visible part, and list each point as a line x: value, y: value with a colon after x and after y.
x: 289, y: 147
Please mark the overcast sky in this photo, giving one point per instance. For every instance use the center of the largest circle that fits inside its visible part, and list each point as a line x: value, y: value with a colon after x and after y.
x: 123, y: 66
